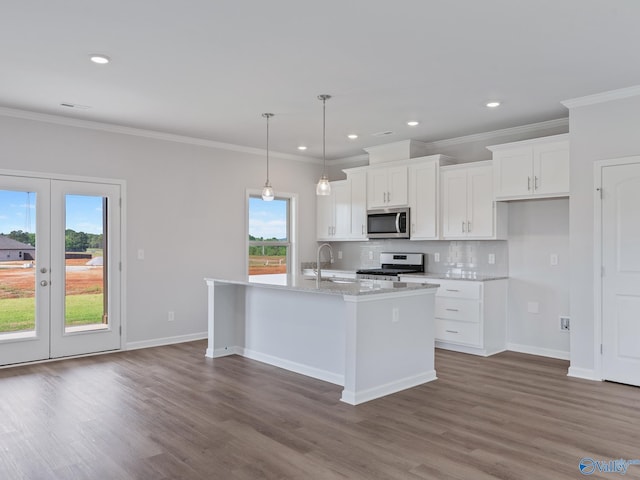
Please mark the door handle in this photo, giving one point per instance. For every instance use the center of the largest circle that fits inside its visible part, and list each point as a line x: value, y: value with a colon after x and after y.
x: 452, y: 310
x: 452, y: 331
x: 43, y: 270
x: 468, y: 226
x: 528, y: 183
x: 535, y: 183
x: 463, y: 226
x: 44, y: 283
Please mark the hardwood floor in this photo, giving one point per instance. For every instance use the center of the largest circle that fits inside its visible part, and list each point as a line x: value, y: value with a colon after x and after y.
x: 171, y: 413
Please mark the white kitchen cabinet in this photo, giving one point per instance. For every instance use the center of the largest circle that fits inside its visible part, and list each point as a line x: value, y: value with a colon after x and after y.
x: 334, y: 212
x: 358, y: 205
x: 470, y: 316
x: 468, y: 208
x: 387, y: 187
x: 342, y: 215
x: 424, y: 197
x: 537, y: 168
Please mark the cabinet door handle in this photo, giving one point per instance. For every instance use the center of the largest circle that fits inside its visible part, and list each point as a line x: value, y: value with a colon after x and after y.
x: 329, y: 231
x: 463, y: 226
x: 528, y: 183
x: 468, y: 226
x: 388, y: 196
x: 452, y: 331
x: 451, y: 290
x: 452, y: 310
x: 362, y: 229
x: 535, y: 183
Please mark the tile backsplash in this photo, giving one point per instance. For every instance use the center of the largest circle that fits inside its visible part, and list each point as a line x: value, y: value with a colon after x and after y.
x: 454, y: 257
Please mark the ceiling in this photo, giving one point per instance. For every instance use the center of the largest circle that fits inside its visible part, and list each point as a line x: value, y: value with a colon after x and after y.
x: 209, y: 68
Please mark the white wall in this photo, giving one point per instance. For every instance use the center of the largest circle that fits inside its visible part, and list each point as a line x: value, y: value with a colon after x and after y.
x: 538, y: 229
x: 185, y: 206
x: 599, y: 131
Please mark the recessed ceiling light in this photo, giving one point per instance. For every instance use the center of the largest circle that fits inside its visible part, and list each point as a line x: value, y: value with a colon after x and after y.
x: 99, y: 59
x: 352, y: 136
x: 413, y: 123
x: 302, y: 147
x: 493, y: 104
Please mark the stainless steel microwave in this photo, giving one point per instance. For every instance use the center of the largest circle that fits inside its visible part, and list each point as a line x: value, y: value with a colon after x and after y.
x: 388, y: 223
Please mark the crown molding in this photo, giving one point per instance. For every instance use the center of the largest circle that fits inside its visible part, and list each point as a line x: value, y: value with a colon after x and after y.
x: 602, y: 97
x: 523, y: 129
x: 140, y: 132
x: 346, y: 161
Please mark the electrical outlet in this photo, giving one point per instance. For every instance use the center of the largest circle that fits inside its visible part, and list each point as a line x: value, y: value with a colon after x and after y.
x: 370, y: 254
x: 436, y: 257
x: 533, y: 307
x: 565, y: 323
x: 492, y: 258
x: 140, y: 254
x: 395, y: 315
x: 554, y: 259
x: 171, y: 317
x: 339, y: 254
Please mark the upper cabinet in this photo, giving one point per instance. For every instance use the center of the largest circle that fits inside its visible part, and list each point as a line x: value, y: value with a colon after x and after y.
x: 342, y: 215
x: 468, y: 208
x: 387, y: 187
x: 424, y: 197
x: 536, y: 168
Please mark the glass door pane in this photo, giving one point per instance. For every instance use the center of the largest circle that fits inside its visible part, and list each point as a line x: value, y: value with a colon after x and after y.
x: 17, y: 264
x: 85, y: 252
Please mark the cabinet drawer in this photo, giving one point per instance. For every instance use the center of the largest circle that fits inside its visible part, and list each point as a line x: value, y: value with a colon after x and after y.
x: 458, y: 332
x: 458, y: 309
x: 459, y: 289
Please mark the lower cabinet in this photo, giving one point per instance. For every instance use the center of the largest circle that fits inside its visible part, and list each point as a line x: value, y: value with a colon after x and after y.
x: 470, y: 316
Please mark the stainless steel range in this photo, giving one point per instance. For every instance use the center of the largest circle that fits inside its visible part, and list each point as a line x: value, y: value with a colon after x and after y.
x: 392, y: 265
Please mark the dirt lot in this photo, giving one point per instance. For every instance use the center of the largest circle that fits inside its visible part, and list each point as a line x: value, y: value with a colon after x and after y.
x: 20, y: 282
x: 267, y: 265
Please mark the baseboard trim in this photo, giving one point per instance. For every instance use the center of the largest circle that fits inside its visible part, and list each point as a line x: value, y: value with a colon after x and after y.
x: 159, y: 342
x: 323, y: 375
x: 584, y: 373
x: 543, y: 352
x: 354, y: 398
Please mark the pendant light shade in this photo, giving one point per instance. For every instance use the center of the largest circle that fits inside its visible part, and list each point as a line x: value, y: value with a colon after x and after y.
x: 324, y: 187
x: 267, y: 190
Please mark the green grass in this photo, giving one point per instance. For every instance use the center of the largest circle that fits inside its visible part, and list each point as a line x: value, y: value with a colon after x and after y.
x: 17, y: 314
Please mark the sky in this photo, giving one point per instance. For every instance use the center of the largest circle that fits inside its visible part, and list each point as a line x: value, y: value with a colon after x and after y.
x: 18, y: 212
x: 268, y: 219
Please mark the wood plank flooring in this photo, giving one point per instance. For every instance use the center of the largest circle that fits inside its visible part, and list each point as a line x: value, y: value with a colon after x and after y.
x: 170, y: 413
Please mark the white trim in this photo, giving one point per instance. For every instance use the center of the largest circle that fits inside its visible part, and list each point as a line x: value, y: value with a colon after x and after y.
x: 140, y: 132
x: 522, y: 129
x: 597, y: 256
x: 584, y: 373
x: 540, y: 351
x: 362, y: 396
x: 223, y: 352
x: 159, y: 342
x: 324, y: 375
x: 603, y: 97
x: 456, y: 347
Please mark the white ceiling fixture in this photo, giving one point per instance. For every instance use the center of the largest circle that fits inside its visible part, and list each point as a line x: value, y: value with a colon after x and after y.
x: 323, y: 187
x: 302, y: 147
x: 493, y: 104
x: 352, y: 136
x: 99, y: 59
x: 267, y: 190
x: 413, y: 123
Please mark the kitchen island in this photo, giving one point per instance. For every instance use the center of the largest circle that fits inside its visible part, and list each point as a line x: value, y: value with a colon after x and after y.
x: 373, y: 338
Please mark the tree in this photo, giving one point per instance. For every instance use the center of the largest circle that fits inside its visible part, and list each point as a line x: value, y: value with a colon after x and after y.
x: 76, y: 241
x: 24, y: 237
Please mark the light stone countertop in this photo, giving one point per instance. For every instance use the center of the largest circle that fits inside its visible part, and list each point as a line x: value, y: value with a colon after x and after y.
x: 338, y: 286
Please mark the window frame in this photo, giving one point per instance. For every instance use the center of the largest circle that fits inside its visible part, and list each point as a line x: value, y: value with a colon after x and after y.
x: 291, y: 244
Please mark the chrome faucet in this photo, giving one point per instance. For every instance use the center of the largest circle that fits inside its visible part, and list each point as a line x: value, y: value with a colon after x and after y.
x: 318, y: 270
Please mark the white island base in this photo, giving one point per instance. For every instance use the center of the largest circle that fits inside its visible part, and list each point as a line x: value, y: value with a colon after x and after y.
x: 373, y: 343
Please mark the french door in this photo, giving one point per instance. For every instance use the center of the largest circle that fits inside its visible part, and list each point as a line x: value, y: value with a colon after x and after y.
x: 60, y: 285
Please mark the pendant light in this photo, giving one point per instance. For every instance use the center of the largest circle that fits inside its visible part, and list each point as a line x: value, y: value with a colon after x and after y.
x: 267, y: 190
x: 323, y: 187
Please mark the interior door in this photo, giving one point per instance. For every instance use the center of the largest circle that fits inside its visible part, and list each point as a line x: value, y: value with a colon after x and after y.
x: 85, y: 285
x: 24, y: 269
x: 621, y: 273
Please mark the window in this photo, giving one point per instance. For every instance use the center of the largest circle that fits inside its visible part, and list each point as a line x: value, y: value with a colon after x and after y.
x: 270, y: 244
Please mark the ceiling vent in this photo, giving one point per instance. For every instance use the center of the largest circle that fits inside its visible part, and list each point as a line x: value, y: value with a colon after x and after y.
x: 382, y: 134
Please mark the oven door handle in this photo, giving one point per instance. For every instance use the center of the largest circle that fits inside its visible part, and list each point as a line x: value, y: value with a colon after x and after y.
x: 398, y: 222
